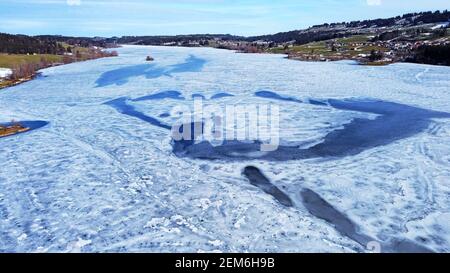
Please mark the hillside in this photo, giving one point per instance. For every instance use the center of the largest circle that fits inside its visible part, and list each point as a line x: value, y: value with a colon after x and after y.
x: 22, y: 44
x: 25, y: 55
x: 335, y: 30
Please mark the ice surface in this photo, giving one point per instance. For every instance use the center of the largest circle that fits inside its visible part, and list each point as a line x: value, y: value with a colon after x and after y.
x: 396, y: 121
x: 96, y: 179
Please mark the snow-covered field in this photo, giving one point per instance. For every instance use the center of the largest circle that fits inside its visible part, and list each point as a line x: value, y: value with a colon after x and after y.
x: 98, y: 178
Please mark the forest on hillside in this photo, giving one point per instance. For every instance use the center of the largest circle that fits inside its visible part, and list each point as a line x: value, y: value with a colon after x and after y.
x: 22, y: 44
x: 338, y: 30
x: 437, y: 55
x: 46, y: 44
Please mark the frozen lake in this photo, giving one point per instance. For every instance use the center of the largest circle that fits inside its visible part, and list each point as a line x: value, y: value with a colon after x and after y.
x: 364, y: 157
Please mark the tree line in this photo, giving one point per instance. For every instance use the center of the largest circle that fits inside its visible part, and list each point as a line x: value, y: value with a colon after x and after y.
x: 416, y: 18
x: 22, y: 44
x: 431, y: 54
x: 46, y: 44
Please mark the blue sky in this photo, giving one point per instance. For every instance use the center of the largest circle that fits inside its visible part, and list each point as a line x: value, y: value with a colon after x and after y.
x: 169, y: 17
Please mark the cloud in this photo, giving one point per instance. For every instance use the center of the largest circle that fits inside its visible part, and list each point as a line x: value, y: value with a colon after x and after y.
x: 374, y: 2
x: 73, y: 2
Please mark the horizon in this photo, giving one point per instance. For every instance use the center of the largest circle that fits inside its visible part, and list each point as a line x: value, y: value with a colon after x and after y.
x: 92, y: 18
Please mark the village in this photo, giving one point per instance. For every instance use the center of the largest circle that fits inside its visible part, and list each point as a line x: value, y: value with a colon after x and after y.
x: 367, y: 48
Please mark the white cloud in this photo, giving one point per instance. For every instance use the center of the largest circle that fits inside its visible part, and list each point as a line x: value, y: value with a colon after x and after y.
x: 374, y: 2
x: 73, y: 2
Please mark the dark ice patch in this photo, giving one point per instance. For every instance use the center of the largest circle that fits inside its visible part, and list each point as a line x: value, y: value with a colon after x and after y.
x: 406, y: 246
x: 323, y: 210
x: 221, y: 95
x: 189, y: 132
x: 123, y: 107
x: 258, y: 179
x: 320, y: 208
x: 395, y: 122
x: 164, y: 115
x: 198, y: 96
x: 35, y: 124
x: 317, y: 102
x: 171, y: 94
x: 192, y: 64
x: 122, y: 75
x: 275, y: 96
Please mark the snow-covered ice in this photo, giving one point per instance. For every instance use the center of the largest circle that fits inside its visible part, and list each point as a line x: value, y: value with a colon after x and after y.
x: 98, y: 178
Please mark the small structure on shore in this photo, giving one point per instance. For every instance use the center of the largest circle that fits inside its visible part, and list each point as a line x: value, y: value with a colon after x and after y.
x: 150, y: 59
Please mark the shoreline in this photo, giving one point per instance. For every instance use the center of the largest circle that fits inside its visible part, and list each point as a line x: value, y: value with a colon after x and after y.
x: 381, y: 63
x: 7, y: 83
x: 359, y: 62
x: 10, y: 83
x: 6, y: 131
x: 317, y: 60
